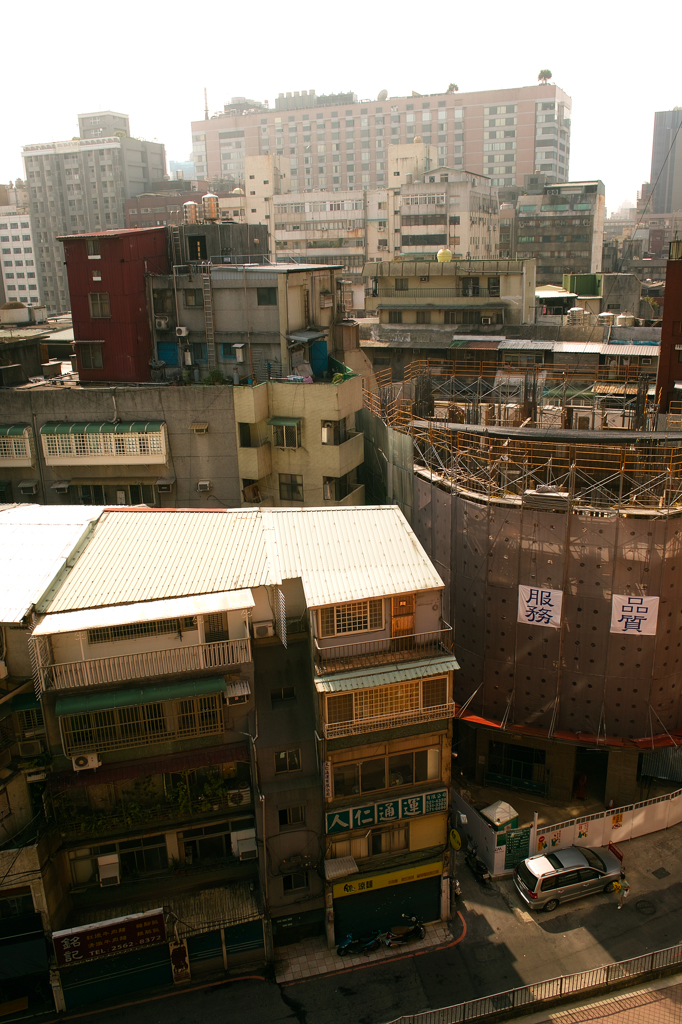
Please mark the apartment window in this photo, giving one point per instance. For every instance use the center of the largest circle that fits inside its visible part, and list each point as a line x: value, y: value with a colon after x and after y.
x: 286, y: 435
x: 93, y: 246
x: 287, y: 761
x: 295, y: 881
x: 282, y: 695
x: 290, y: 487
x: 99, y: 304
x: 385, y: 701
x: 423, y: 316
x: 404, y: 769
x: 353, y: 617
x: 137, y: 630
x: 290, y: 817
x: 267, y: 296
x: 194, y: 298
x: 395, y: 316
x: 494, y: 287
x: 90, y: 356
x: 199, y: 351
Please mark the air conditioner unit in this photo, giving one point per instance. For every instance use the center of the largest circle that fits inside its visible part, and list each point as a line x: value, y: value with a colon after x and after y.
x: 61, y: 487
x: 328, y: 433
x: 182, y: 332
x: 486, y: 319
x: 162, y: 323
x: 243, y: 844
x: 83, y: 761
x: 109, y: 869
x: 30, y: 748
x: 261, y: 629
x: 28, y: 487
x: 204, y: 485
x: 238, y: 353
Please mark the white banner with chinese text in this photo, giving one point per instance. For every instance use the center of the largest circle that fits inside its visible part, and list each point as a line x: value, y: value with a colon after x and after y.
x: 540, y: 607
x: 635, y: 615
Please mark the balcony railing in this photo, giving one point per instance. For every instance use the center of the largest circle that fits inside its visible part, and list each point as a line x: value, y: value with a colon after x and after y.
x: 388, y: 650
x: 129, y: 818
x: 101, y: 671
x: 471, y: 291
x: 394, y: 721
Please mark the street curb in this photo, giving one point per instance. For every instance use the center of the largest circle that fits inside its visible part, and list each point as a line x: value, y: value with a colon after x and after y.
x: 380, y: 963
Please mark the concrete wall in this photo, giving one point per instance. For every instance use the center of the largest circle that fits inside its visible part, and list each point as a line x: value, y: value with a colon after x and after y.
x: 191, y: 457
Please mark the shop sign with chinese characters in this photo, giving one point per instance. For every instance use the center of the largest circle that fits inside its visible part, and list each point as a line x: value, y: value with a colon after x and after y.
x: 389, y: 810
x: 106, y: 938
x: 356, y: 885
x: 636, y: 616
x: 540, y: 607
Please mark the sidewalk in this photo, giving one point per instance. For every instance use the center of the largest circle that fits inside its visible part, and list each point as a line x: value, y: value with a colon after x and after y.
x: 310, y: 958
x: 659, y: 1002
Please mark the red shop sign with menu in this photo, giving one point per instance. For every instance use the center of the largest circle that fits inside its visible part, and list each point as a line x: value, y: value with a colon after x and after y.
x: 106, y: 938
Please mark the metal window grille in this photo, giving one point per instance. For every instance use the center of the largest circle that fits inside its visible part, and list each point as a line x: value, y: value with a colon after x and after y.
x: 354, y: 617
x: 133, y: 630
x: 85, y: 445
x: 118, y: 728
x: 30, y: 720
x: 14, y: 448
x: 286, y: 436
x: 385, y: 701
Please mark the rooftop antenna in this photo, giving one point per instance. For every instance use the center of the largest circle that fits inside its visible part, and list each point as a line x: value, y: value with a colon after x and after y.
x: 205, y: 104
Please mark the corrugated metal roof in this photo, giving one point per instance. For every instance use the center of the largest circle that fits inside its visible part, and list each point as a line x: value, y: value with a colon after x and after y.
x: 630, y: 350
x: 148, y: 556
x: 35, y: 542
x: 346, y: 554
x: 339, y: 682
x: 341, y: 554
x: 149, y: 611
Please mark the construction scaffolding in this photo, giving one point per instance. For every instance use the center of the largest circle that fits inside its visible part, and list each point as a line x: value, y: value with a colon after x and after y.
x: 552, y: 468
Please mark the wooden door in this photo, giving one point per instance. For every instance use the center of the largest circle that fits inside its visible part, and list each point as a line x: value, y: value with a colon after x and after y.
x: 402, y: 617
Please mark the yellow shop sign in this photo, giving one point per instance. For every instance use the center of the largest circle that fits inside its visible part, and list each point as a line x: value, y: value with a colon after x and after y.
x: 415, y: 874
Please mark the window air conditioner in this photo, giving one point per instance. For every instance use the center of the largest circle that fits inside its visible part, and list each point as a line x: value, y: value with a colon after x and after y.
x: 262, y: 629
x: 486, y: 319
x: 204, y: 485
x: 182, y: 332
x: 238, y: 353
x: 162, y: 323
x: 30, y: 748
x: 83, y: 761
x: 243, y: 844
x: 28, y: 487
x: 109, y: 869
x: 328, y: 433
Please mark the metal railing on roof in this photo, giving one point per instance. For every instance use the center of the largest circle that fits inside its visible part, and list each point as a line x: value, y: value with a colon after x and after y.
x: 386, y: 651
x: 521, y: 1001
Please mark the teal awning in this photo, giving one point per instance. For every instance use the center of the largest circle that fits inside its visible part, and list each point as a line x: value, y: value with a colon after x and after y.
x: 25, y: 702
x: 283, y: 421
x: 12, y: 429
x: 338, y: 682
x: 141, y: 427
x: 133, y: 695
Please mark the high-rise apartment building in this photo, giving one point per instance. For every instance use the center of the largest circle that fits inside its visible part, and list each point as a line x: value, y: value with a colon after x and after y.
x: 666, y: 161
x: 341, y: 143
x: 18, y: 275
x: 81, y: 186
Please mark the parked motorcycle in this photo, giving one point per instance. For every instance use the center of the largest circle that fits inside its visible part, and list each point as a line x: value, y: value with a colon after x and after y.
x: 363, y: 944
x: 457, y: 888
x: 476, y: 865
x: 403, y: 933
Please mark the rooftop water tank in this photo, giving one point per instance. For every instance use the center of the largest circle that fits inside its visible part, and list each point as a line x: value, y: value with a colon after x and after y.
x: 190, y: 212
x: 211, y: 206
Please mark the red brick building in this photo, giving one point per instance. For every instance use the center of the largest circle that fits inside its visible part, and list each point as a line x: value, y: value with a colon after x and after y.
x: 106, y: 272
x: 670, y: 359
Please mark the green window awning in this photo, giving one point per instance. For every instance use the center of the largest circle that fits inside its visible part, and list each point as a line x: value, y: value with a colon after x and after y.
x: 12, y: 429
x: 133, y: 695
x: 283, y: 421
x: 25, y: 702
x: 133, y: 427
x: 339, y: 682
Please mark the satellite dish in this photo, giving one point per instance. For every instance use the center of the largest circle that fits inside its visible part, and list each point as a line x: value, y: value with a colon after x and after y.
x: 383, y: 95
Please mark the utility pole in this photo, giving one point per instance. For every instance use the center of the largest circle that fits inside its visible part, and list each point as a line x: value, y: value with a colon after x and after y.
x: 205, y: 104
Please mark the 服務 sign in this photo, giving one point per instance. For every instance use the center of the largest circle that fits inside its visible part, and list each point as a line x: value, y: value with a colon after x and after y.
x: 540, y: 607
x: 634, y: 615
x: 74, y: 945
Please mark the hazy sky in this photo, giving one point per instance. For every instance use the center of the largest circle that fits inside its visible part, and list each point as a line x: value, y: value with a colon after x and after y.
x: 153, y: 61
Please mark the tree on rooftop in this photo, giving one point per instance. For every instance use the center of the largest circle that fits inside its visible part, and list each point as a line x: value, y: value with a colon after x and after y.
x: 453, y: 88
x: 544, y: 76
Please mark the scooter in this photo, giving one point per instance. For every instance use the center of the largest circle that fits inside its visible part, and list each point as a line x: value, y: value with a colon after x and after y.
x: 457, y: 888
x: 403, y: 933
x: 476, y: 865
x: 364, y: 944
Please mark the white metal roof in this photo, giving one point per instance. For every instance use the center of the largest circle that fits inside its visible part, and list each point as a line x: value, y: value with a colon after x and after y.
x: 35, y: 543
x: 340, y: 554
x: 148, y: 611
x: 149, y: 555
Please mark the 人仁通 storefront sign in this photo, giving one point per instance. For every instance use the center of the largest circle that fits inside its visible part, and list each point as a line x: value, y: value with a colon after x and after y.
x: 388, y: 810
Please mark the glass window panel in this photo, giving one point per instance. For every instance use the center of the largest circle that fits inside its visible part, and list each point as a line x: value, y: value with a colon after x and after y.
x: 346, y: 779
x: 373, y: 775
x: 401, y: 769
